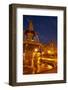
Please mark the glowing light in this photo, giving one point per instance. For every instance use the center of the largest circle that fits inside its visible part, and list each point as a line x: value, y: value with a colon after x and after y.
x: 50, y: 67
x: 36, y: 49
x: 49, y: 52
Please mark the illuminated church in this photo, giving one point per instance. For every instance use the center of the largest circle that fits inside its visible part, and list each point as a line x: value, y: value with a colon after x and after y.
x: 38, y: 57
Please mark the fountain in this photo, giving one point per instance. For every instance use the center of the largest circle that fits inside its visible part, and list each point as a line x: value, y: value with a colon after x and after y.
x: 37, y: 58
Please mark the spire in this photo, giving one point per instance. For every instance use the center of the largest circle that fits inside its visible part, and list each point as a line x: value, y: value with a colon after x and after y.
x: 30, y: 25
x: 30, y: 34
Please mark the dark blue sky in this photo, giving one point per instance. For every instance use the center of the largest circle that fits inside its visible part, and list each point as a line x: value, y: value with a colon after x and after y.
x: 46, y: 26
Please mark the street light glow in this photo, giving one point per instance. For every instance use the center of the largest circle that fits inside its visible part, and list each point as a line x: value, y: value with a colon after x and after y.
x: 36, y: 49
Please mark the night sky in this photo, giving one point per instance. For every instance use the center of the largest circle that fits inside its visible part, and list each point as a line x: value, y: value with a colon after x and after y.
x: 46, y: 26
